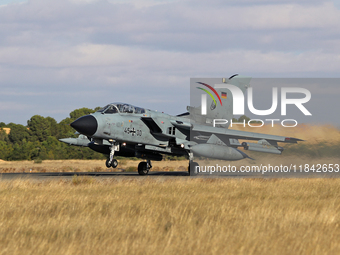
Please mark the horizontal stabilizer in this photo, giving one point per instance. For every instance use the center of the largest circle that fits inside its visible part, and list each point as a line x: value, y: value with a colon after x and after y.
x: 80, y: 141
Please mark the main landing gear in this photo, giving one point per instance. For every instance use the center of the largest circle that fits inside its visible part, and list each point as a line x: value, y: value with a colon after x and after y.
x: 144, y: 167
x: 193, y: 168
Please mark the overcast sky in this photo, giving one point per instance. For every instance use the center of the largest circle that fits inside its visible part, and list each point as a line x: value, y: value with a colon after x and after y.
x: 59, y: 55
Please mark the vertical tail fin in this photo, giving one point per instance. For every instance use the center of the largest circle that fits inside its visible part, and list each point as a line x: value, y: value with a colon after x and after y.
x: 219, y: 99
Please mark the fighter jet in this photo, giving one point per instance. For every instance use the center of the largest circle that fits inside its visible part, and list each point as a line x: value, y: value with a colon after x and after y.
x: 121, y: 129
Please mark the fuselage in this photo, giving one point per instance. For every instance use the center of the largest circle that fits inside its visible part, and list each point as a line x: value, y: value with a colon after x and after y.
x: 124, y: 123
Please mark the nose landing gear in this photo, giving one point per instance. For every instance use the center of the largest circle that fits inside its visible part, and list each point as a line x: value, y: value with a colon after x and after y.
x: 113, y: 163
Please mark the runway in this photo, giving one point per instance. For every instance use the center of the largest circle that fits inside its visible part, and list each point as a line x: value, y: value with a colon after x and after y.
x: 175, y: 174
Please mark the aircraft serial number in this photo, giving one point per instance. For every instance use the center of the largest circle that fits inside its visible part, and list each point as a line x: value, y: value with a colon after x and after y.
x: 133, y: 131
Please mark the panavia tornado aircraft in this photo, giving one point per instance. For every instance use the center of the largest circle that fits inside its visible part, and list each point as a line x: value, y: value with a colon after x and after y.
x: 121, y: 129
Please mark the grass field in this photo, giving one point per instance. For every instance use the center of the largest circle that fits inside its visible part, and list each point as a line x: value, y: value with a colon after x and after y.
x: 177, y: 216
x: 180, y: 215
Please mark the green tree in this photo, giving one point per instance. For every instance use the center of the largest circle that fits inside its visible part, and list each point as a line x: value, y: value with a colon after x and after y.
x: 3, y: 135
x: 5, y: 150
x: 64, y: 129
x: 39, y: 127
x: 18, y: 133
x: 53, y: 126
x: 39, y: 140
x: 80, y: 112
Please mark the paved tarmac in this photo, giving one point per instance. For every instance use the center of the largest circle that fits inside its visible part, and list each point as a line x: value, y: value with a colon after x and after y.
x: 69, y: 175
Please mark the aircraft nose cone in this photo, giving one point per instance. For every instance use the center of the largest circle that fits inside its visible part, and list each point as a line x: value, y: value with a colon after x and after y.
x: 86, y: 125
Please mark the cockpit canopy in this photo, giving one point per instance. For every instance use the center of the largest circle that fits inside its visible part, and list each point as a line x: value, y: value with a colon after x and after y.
x: 121, y: 108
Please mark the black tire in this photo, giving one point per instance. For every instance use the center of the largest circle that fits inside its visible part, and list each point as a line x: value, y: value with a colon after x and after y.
x: 143, y: 168
x: 192, y: 168
x: 114, y: 163
x: 107, y: 163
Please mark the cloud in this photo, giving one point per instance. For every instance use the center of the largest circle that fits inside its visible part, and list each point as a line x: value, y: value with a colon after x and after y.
x: 91, y: 48
x: 6, y: 2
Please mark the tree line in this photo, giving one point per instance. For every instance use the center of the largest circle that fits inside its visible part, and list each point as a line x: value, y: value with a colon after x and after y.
x: 39, y: 139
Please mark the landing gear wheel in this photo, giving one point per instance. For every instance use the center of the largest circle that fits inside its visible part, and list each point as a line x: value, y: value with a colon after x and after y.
x: 143, y: 168
x: 107, y: 163
x: 192, y: 168
x: 114, y: 163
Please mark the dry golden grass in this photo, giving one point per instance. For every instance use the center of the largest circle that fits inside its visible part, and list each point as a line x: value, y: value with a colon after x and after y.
x: 177, y: 216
